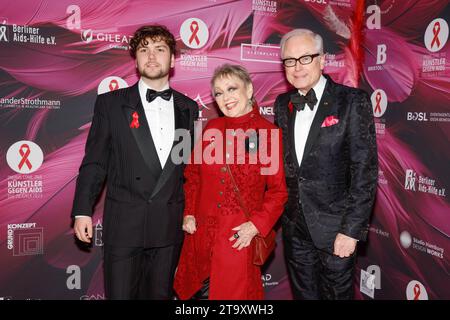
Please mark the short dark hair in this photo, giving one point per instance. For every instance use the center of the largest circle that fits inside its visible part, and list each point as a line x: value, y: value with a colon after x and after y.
x: 155, y: 33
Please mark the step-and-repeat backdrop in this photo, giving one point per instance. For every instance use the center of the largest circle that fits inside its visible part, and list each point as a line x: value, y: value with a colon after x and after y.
x: 57, y: 56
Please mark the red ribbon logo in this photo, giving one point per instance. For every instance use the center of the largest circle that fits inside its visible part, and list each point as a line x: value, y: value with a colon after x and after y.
x: 24, y: 156
x: 194, y: 29
x: 436, y: 30
x: 135, y: 122
x: 416, y: 292
x: 378, y: 100
x: 113, y: 85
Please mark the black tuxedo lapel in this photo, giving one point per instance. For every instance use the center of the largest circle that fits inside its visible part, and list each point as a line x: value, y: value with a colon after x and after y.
x: 322, y: 111
x: 291, y: 136
x: 142, y: 134
x: 181, y: 112
x: 287, y: 120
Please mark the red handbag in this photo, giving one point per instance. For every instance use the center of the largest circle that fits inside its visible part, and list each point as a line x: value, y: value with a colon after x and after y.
x: 262, y: 246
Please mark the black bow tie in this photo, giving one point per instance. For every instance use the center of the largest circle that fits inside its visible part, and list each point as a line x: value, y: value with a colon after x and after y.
x: 299, y: 100
x: 152, y: 94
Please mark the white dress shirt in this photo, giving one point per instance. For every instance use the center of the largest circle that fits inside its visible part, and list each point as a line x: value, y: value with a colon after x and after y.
x: 160, y: 116
x: 304, y: 120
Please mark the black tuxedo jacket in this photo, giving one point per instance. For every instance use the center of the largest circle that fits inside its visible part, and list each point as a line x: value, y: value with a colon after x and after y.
x: 336, y: 182
x: 144, y: 202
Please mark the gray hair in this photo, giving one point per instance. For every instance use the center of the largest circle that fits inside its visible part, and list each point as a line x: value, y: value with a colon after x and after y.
x: 232, y: 70
x: 302, y: 32
x: 228, y: 70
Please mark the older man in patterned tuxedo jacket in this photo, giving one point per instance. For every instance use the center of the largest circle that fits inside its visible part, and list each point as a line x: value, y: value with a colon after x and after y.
x: 330, y: 160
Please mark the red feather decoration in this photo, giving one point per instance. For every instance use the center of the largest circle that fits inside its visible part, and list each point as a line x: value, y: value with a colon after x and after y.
x: 356, y: 40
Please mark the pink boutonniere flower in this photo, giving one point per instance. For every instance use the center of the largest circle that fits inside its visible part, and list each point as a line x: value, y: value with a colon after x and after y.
x: 330, y: 121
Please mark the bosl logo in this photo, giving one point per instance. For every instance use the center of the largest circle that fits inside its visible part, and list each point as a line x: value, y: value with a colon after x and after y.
x: 416, y: 116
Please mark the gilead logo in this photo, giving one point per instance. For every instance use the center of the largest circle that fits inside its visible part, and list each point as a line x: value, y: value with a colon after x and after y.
x: 87, y: 35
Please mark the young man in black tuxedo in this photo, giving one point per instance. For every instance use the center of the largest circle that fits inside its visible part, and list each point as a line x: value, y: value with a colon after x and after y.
x: 330, y: 159
x: 129, y: 144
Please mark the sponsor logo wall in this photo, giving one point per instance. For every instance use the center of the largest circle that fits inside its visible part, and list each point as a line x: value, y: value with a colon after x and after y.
x: 55, y: 60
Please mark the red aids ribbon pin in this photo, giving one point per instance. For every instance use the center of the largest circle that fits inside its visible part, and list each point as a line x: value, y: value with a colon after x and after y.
x: 113, y: 85
x: 194, y: 29
x: 24, y: 156
x: 436, y: 30
x: 416, y: 292
x: 378, y: 100
x: 290, y: 106
x: 135, y: 122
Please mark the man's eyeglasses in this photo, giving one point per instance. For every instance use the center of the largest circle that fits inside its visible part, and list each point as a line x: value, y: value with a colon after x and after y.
x: 306, y: 59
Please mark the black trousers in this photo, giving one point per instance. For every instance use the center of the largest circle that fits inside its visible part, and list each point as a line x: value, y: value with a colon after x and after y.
x: 140, y: 273
x: 315, y: 274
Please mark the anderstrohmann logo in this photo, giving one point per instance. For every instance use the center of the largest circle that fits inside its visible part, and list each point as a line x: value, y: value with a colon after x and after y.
x: 25, y: 103
x: 25, y: 239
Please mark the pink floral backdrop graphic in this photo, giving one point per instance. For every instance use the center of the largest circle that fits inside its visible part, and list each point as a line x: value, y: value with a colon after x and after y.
x: 55, y: 56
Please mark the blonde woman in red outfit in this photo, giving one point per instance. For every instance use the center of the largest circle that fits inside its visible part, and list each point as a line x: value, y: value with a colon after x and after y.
x: 218, y: 242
